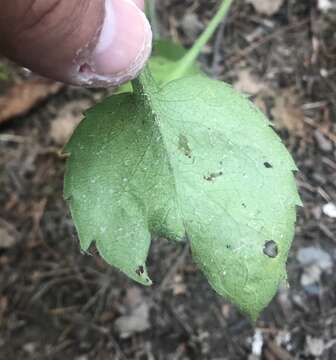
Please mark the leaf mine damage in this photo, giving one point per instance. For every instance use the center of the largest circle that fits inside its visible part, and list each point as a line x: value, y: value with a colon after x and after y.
x: 213, y: 176
x: 184, y: 146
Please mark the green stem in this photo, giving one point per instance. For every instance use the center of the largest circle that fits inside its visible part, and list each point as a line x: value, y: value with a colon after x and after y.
x: 189, y: 59
x: 144, y: 83
x: 152, y: 16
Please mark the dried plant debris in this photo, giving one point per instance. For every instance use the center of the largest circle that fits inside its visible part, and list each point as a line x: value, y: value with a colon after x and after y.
x: 20, y: 98
x: 266, y: 7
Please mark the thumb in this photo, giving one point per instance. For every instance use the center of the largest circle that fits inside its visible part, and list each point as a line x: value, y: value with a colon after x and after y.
x: 81, y: 42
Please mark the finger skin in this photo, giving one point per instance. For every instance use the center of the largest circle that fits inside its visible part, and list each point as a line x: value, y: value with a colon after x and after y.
x: 140, y: 4
x: 59, y: 38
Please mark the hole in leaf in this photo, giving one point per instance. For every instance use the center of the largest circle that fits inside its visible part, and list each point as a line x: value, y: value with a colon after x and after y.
x: 268, y: 165
x: 271, y: 249
x: 140, y: 270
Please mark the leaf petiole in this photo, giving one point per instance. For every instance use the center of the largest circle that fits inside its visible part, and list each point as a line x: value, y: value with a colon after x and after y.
x: 150, y: 10
x: 144, y: 83
x: 189, y: 59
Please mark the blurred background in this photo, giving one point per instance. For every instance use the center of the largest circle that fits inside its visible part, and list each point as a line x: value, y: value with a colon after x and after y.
x: 56, y: 303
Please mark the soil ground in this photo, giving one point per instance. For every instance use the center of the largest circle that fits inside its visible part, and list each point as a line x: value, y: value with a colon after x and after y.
x: 56, y: 303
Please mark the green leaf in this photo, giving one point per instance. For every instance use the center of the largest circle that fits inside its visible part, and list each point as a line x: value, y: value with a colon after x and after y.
x: 165, y: 60
x: 169, y: 50
x: 193, y: 159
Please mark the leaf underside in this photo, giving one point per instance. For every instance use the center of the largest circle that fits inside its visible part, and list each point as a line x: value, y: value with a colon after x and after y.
x: 193, y: 159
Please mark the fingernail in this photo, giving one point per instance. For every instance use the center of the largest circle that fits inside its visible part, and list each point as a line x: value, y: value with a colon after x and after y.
x: 122, y: 48
x: 140, y: 4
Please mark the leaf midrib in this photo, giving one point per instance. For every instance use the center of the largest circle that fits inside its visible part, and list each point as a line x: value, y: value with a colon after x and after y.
x: 147, y: 97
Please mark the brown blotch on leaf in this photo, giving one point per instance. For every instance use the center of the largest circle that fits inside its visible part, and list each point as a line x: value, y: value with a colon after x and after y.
x: 213, y: 176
